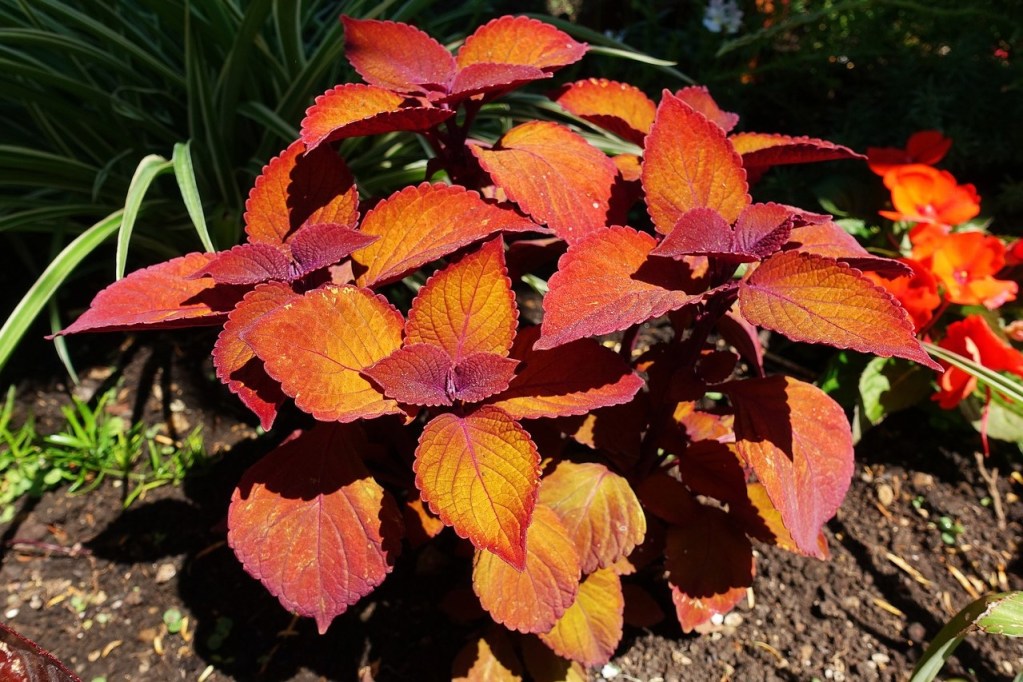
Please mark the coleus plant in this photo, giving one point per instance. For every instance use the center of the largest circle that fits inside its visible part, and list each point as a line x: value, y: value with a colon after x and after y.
x: 569, y: 453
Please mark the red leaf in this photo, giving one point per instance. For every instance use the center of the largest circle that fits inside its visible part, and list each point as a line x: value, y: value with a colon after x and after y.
x: 421, y: 224
x: 711, y: 468
x: 397, y: 56
x: 829, y: 239
x: 708, y: 559
x: 163, y: 296
x: 311, y: 524
x: 599, y: 510
x: 480, y: 474
x: 317, y: 246
x: 532, y: 596
x: 418, y: 374
x: 590, y: 630
x: 467, y: 307
x: 607, y: 283
x: 298, y: 188
x: 818, y: 300
x: 554, y: 175
x: 619, y: 107
x: 760, y: 151
x: 478, y: 376
x: 248, y: 264
x: 689, y: 163
x: 522, y: 41
x: 22, y: 660
x: 744, y: 337
x: 698, y: 97
x: 353, y: 110
x: 318, y: 346
x: 475, y: 79
x: 700, y: 231
x: 798, y: 442
x: 237, y: 366
x: 572, y: 379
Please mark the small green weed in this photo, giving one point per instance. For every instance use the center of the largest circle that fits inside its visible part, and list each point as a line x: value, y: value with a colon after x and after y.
x: 92, y: 446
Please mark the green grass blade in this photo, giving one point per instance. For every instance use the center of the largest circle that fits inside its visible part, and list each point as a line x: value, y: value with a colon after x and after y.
x: 999, y: 611
x: 59, y: 342
x: 148, y: 169
x: 51, y: 279
x: 184, y: 172
x: 1013, y: 389
x: 266, y: 117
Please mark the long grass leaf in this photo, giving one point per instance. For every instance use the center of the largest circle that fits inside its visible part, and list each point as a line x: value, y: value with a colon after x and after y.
x: 185, y: 175
x: 53, y: 276
x: 148, y: 169
x: 1013, y: 389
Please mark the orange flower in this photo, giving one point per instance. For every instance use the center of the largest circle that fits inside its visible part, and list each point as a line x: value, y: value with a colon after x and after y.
x: 965, y: 263
x: 927, y: 147
x: 922, y: 194
x: 973, y: 338
x: 918, y: 293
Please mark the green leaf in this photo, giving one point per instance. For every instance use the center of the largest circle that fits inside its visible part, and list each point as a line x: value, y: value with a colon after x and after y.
x: 185, y: 174
x: 996, y: 614
x: 148, y: 169
x: 888, y: 385
x: 1004, y: 420
x: 54, y: 275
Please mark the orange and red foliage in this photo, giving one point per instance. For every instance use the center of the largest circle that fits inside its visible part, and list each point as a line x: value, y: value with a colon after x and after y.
x: 974, y: 339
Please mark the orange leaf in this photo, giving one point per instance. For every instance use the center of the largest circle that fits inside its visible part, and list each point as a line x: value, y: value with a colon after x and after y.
x: 490, y: 657
x: 590, y: 630
x: 237, y: 366
x: 353, y: 109
x: 798, y: 442
x: 546, y: 666
x: 710, y: 565
x: 693, y: 612
x: 554, y: 175
x: 300, y: 188
x: 480, y: 474
x: 397, y: 56
x: 607, y: 283
x: 619, y: 107
x: 762, y: 521
x: 573, y: 379
x: 698, y: 97
x: 318, y: 345
x: 819, y: 300
x: 689, y: 163
x: 467, y: 307
x: 163, y: 296
x: 831, y: 240
x: 760, y: 151
x: 598, y: 509
x: 421, y: 224
x: 522, y: 41
x: 312, y: 525
x: 530, y: 598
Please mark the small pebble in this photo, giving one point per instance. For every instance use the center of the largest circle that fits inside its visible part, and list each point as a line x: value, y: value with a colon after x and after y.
x: 880, y: 658
x: 915, y: 632
x: 885, y: 494
x: 610, y: 671
x: 165, y: 573
x: 10, y: 613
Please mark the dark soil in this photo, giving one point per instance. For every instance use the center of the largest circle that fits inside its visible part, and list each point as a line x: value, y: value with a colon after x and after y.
x: 91, y: 581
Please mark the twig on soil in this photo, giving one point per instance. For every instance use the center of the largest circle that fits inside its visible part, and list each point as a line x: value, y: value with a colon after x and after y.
x: 23, y: 545
x: 885, y: 606
x: 991, y: 478
x: 912, y: 572
x: 962, y: 580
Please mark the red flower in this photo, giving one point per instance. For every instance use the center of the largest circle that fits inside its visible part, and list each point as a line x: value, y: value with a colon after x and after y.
x: 927, y: 147
x: 973, y: 338
x: 918, y: 293
x: 965, y: 263
x: 922, y: 194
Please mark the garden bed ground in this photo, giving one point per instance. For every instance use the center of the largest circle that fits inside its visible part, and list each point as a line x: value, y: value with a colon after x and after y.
x: 92, y: 582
